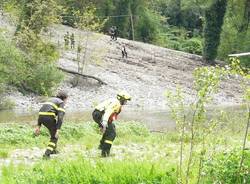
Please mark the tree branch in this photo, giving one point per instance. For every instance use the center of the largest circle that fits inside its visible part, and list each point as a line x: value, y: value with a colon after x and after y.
x: 83, y: 75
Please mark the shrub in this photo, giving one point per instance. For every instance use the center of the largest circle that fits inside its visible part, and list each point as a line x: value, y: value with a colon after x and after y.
x: 193, y: 46
x: 224, y: 168
x: 35, y: 72
x: 44, y: 79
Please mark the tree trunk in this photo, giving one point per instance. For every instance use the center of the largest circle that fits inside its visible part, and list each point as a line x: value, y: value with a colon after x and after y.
x: 85, y: 76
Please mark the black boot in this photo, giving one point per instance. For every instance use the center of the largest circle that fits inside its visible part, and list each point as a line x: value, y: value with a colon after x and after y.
x: 105, y: 153
x: 55, y: 151
x: 47, y: 154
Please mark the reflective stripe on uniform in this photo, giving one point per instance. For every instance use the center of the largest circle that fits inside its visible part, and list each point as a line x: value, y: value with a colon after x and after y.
x: 55, y: 106
x: 52, y: 104
x: 108, y: 142
x: 52, y: 144
x: 47, y: 113
x: 49, y: 148
x: 61, y: 109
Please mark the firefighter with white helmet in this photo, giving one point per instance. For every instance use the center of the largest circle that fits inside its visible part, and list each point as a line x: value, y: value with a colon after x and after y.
x: 104, y: 114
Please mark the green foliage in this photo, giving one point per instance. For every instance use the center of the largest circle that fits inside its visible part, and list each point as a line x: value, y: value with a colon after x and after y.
x: 3, y: 154
x: 36, y: 73
x: 85, y: 19
x: 131, y: 129
x: 13, y: 64
x: 193, y: 45
x: 147, y: 28
x: 38, y: 14
x: 17, y: 134
x: 45, y: 78
x: 206, y: 84
x: 236, y: 31
x: 224, y: 167
x: 214, y: 16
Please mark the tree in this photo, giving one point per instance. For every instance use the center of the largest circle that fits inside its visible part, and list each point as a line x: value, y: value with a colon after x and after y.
x: 38, y: 14
x: 236, y: 31
x: 214, y: 17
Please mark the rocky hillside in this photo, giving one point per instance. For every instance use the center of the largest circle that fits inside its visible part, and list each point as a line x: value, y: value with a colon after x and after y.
x: 147, y: 72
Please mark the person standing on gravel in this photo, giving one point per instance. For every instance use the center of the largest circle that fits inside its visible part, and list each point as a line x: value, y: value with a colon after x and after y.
x: 112, y: 32
x: 104, y: 114
x: 124, y: 52
x: 115, y: 33
x: 66, y: 40
x: 72, y: 41
x: 47, y: 117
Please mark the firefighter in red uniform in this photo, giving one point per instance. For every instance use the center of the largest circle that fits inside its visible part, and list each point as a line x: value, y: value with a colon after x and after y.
x: 104, y: 114
x: 47, y: 117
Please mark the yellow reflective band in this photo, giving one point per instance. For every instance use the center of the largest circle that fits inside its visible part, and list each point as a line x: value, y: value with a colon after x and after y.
x: 49, y: 148
x: 109, y: 142
x: 52, y: 144
x: 61, y: 109
x: 47, y: 113
x: 52, y: 104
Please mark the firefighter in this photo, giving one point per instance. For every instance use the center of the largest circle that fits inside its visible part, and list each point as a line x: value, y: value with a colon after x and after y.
x: 66, y: 40
x: 47, y: 117
x: 72, y: 41
x: 124, y: 52
x: 112, y: 33
x: 104, y: 114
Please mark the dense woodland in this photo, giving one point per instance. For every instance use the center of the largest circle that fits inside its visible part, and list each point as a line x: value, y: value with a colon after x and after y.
x: 176, y: 24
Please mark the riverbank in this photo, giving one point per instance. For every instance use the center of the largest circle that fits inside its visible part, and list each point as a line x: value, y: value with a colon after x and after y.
x: 154, y: 156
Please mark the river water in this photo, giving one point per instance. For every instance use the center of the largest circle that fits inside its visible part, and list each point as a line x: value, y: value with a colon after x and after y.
x: 155, y: 120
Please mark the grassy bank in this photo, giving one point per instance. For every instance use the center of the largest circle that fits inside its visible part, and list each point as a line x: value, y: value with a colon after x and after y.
x: 138, y: 156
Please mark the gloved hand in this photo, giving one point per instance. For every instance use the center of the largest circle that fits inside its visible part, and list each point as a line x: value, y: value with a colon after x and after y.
x: 103, y: 126
x: 103, y: 129
x: 37, y: 131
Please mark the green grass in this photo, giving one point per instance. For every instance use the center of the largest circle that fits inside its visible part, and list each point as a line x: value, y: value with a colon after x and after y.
x: 13, y: 135
x: 82, y: 170
x: 4, y: 153
x: 138, y: 155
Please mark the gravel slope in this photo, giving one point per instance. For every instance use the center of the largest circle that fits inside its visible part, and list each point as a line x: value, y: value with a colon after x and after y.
x: 146, y: 73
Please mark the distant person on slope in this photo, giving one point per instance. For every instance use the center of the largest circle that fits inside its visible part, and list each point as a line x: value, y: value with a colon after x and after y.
x: 112, y: 33
x: 115, y: 33
x: 124, y: 52
x: 104, y: 114
x: 47, y: 117
x: 66, y: 40
x: 72, y: 41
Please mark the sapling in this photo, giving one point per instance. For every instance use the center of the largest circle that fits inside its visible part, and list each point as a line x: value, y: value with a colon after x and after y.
x: 244, y: 76
x: 176, y: 105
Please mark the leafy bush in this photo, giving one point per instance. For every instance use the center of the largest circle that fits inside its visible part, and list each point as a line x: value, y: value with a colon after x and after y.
x: 224, y: 168
x: 13, y: 64
x: 36, y: 72
x: 193, y: 46
x: 44, y: 78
